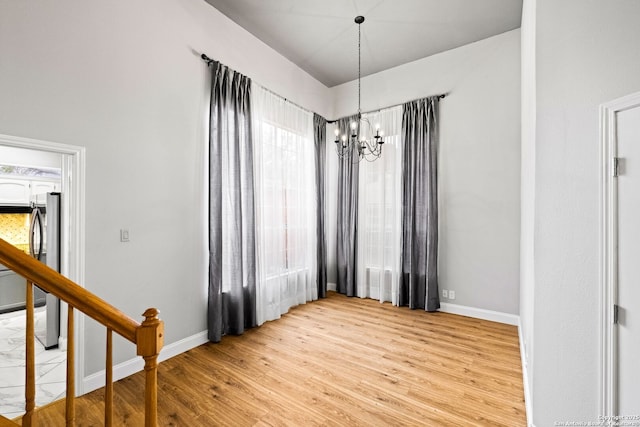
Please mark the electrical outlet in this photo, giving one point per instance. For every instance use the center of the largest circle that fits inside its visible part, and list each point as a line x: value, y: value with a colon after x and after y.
x: 445, y: 293
x: 124, y: 235
x: 452, y: 294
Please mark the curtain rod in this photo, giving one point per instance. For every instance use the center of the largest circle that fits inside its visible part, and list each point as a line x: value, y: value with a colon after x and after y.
x: 209, y: 61
x: 443, y: 95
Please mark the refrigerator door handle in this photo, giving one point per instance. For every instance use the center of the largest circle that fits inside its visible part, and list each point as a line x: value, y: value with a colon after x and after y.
x: 36, y: 220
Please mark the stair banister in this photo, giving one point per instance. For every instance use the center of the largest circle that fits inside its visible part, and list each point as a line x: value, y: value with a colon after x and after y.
x: 148, y: 336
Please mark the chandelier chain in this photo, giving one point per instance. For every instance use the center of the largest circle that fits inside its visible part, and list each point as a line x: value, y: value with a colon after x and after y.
x: 359, y: 60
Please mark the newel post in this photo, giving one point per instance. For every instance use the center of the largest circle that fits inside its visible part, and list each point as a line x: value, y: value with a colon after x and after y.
x: 149, y: 340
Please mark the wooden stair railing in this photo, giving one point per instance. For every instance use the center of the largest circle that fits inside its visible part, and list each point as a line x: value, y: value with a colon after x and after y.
x: 5, y: 422
x: 147, y: 336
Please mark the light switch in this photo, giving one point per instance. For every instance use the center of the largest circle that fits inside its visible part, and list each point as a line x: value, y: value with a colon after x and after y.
x: 124, y: 235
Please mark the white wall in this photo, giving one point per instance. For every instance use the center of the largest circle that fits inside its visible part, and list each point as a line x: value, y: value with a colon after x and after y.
x: 587, y: 54
x: 124, y: 80
x: 527, y: 190
x: 479, y: 160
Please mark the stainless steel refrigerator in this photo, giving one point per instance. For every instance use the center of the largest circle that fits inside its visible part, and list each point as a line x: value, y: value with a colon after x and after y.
x: 44, y: 244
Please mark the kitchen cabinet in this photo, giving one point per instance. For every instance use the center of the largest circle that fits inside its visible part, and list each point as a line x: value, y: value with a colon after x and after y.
x: 20, y: 192
x: 39, y: 190
x: 15, y: 191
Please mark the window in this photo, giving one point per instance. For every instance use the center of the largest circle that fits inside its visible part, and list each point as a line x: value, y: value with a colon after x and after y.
x: 286, y: 204
x: 379, y: 210
x: 287, y: 190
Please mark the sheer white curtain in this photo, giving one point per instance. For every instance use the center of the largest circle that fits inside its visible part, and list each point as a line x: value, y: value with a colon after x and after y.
x: 285, y: 197
x: 379, y: 209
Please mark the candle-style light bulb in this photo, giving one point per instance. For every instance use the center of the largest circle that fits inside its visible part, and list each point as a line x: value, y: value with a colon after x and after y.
x: 337, y: 131
x: 354, y: 125
x: 377, y: 126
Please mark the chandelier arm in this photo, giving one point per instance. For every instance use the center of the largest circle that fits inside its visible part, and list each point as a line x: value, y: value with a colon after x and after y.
x: 341, y: 151
x: 372, y: 157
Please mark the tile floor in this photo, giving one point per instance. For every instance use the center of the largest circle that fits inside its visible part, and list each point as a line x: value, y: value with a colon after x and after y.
x: 50, y: 365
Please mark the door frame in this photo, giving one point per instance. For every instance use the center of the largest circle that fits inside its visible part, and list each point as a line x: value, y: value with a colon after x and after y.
x: 608, y: 249
x: 72, y: 238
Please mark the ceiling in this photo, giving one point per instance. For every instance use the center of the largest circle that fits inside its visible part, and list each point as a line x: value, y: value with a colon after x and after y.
x: 321, y: 37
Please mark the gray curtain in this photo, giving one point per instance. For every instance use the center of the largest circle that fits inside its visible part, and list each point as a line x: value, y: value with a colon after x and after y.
x: 319, y: 136
x: 419, y: 259
x: 232, y: 244
x: 347, y: 216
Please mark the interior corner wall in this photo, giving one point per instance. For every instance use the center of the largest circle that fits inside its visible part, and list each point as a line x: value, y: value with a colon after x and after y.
x: 527, y: 193
x: 479, y: 175
x: 586, y: 55
x: 125, y: 80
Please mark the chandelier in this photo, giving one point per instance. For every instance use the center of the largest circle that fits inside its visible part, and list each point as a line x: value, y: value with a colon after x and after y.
x: 369, y: 149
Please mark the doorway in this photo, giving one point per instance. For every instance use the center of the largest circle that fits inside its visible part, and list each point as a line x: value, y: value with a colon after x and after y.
x: 72, y: 167
x: 620, y: 248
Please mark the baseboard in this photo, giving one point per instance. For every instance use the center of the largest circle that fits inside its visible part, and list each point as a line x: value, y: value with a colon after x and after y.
x: 332, y: 286
x: 525, y: 378
x: 120, y: 371
x: 130, y: 367
x: 62, y: 343
x: 480, y: 313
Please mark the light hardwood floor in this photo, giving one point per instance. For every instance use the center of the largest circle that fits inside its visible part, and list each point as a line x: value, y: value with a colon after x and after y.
x: 334, y: 362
